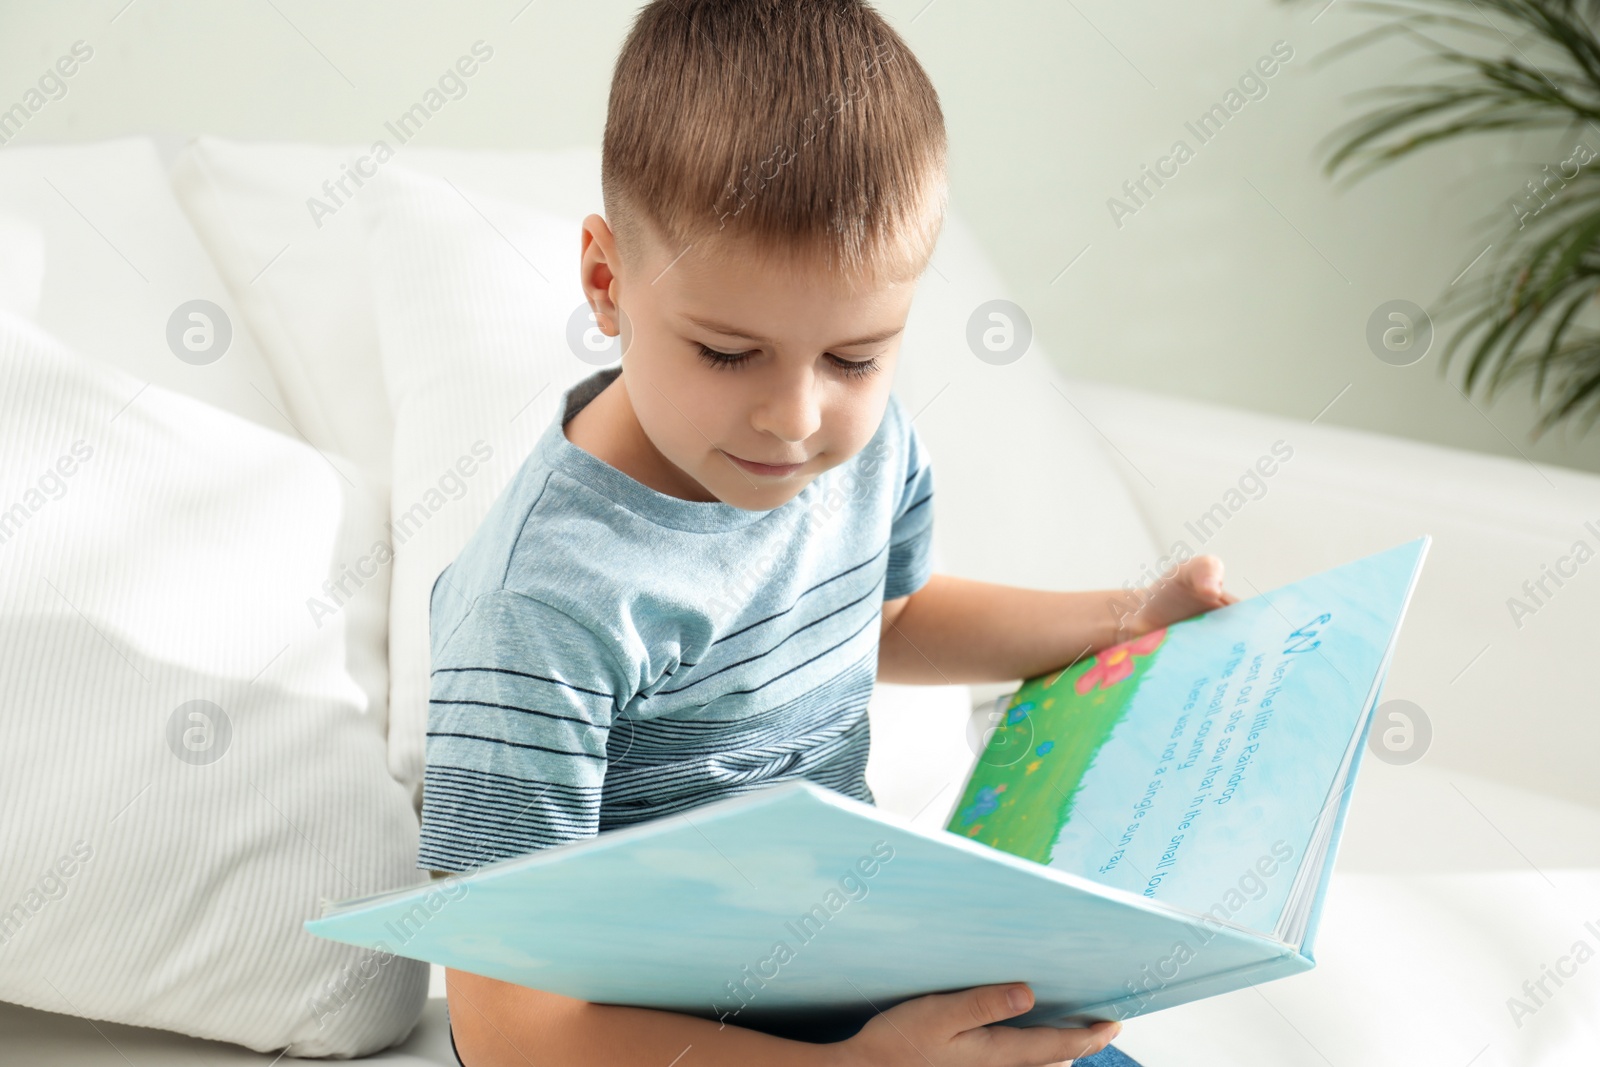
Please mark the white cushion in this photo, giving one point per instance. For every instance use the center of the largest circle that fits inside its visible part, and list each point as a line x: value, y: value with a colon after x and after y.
x: 921, y: 749
x: 21, y: 265
x: 1028, y: 491
x: 119, y: 258
x: 161, y: 855
x: 472, y: 312
x: 1009, y: 443
x: 300, y: 277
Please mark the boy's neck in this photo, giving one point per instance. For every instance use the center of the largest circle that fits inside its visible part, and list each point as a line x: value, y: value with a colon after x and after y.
x: 607, y: 428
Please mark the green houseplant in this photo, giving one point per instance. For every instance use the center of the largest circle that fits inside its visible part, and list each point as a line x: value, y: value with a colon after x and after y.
x: 1518, y: 65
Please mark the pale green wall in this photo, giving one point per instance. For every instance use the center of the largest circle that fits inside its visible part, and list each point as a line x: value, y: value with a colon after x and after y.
x: 1247, y: 279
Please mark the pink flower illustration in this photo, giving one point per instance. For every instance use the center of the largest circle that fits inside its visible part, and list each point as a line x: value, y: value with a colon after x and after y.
x: 1113, y: 664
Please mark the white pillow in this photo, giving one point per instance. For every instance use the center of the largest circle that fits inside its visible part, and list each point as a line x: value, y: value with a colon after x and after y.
x: 1031, y: 493
x: 188, y: 762
x: 21, y: 265
x: 1009, y: 442
x: 472, y: 313
x: 119, y: 259
x: 300, y: 278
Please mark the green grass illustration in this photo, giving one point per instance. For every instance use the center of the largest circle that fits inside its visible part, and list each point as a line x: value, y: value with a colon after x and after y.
x: 1021, y: 791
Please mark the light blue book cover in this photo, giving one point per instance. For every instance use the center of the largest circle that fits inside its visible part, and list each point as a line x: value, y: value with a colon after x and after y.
x: 1150, y: 826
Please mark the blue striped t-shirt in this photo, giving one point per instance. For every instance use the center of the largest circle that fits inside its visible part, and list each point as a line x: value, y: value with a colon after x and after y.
x: 604, y: 654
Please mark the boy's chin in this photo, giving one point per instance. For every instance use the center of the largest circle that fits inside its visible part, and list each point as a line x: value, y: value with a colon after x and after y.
x: 775, y: 494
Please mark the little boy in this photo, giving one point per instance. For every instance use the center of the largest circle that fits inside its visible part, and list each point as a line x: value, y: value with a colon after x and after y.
x: 689, y: 587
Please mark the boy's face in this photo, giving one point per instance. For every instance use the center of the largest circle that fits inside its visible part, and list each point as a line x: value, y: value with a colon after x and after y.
x: 810, y: 390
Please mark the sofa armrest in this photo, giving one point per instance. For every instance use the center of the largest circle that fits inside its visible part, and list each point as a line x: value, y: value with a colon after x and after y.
x: 1499, y: 634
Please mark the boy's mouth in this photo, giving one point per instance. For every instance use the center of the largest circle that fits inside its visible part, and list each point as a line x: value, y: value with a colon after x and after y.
x: 768, y: 469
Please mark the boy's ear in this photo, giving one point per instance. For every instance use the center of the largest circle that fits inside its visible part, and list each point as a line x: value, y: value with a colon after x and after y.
x: 597, y: 273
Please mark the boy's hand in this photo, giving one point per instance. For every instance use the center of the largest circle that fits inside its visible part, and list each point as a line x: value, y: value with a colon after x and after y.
x: 1194, y: 588
x: 950, y: 1030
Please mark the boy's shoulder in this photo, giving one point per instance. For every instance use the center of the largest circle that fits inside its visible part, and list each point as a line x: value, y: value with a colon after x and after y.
x: 485, y: 561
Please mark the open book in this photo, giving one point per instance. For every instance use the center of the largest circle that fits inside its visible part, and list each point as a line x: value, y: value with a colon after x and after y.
x: 1150, y: 826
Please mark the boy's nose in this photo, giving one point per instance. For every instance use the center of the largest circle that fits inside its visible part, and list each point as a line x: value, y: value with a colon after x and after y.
x: 790, y: 413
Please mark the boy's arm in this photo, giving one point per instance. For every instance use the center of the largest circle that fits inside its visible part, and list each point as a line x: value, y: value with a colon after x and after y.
x: 940, y: 630
x: 955, y: 631
x: 498, y: 1024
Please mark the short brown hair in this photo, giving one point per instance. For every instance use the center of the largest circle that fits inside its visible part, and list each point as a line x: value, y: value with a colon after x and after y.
x: 806, y: 127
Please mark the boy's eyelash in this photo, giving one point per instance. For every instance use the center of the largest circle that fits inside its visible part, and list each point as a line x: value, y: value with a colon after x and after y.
x: 728, y: 360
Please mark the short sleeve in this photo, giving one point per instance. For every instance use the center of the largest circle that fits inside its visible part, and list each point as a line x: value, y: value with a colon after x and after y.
x: 911, y: 536
x: 521, y: 703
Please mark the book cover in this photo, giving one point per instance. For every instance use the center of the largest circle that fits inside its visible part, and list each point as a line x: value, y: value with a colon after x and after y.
x: 1176, y: 847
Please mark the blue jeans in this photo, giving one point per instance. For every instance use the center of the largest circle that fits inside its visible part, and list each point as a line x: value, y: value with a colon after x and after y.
x: 1110, y: 1056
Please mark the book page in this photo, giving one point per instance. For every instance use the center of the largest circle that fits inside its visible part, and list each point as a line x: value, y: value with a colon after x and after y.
x: 1190, y: 765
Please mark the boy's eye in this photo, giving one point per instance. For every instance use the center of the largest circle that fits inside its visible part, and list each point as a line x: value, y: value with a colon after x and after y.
x: 853, y: 368
x: 722, y: 359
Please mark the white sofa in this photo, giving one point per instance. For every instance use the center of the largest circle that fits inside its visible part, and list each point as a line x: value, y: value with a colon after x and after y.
x: 1462, y: 876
